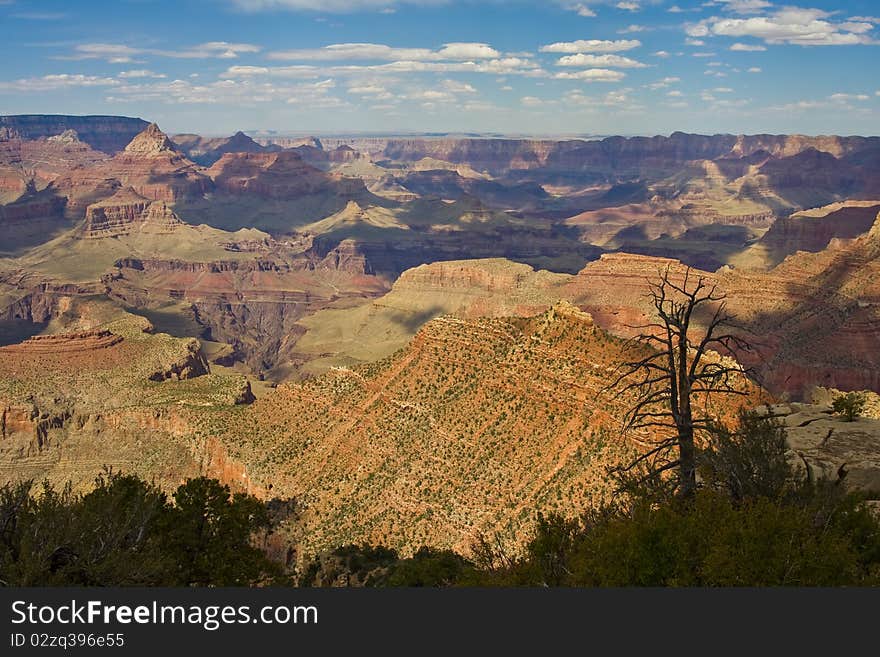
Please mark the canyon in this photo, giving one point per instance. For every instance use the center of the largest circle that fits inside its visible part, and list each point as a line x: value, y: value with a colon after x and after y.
x: 411, y: 337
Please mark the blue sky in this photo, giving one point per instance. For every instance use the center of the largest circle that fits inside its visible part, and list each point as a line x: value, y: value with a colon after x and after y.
x: 505, y: 66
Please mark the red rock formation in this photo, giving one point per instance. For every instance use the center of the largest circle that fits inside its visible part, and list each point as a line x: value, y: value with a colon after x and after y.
x: 33, y: 205
x: 64, y: 343
x: 126, y: 212
x: 814, y: 230
x: 150, y: 165
x: 207, y: 151
x: 614, y: 156
x: 281, y: 175
x: 814, y: 319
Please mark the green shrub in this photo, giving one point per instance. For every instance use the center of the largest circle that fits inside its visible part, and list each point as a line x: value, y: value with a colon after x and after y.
x: 126, y: 532
x: 850, y: 405
x: 713, y: 541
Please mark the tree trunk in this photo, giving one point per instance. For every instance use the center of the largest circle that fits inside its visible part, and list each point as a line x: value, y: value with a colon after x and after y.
x: 687, y: 468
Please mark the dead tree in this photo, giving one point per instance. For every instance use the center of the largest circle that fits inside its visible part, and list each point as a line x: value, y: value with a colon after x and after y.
x: 669, y: 381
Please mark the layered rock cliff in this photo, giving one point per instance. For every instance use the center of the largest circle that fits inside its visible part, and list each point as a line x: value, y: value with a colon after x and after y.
x: 614, y: 155
x: 109, y: 134
x: 126, y: 212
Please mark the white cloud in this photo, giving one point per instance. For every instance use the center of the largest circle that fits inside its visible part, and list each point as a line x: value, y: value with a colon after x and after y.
x: 457, y: 87
x: 244, y: 92
x: 836, y: 101
x: 662, y: 54
x: 843, y: 98
x: 58, y: 81
x: 754, y: 69
x: 632, y: 29
x: 744, y: 6
x: 619, y: 100
x: 581, y: 10
x: 532, y: 101
x: 374, y: 92
x: 303, y: 72
x: 141, y: 73
x: 665, y: 82
x: 789, y: 25
x: 431, y: 95
x: 599, y: 61
x: 592, y: 45
x: 744, y: 47
x: 503, y: 66
x: 380, y: 52
x: 592, y: 75
x: 626, y: 5
x: 118, y: 53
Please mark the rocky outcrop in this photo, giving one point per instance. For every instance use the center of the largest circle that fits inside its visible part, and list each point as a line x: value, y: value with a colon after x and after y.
x: 192, y: 364
x: 815, y: 229
x: 151, y: 142
x: 109, y: 134
x: 254, y: 305
x: 43, y: 302
x: 150, y: 165
x: 63, y: 343
x: 282, y: 175
x: 291, y: 142
x: 207, y: 151
x: 16, y: 420
x: 823, y: 446
x: 128, y: 212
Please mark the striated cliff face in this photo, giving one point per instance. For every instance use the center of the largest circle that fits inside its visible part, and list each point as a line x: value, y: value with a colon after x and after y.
x: 126, y: 212
x: 253, y: 305
x: 814, y: 319
x: 150, y: 165
x: 65, y: 343
x: 814, y: 230
x: 811, y: 172
x: 614, y: 156
x: 109, y: 134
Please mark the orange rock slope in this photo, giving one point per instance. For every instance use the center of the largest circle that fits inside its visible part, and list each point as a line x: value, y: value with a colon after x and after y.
x: 471, y: 429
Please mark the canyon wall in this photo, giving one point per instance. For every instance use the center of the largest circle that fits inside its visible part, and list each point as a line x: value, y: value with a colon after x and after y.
x: 109, y: 134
